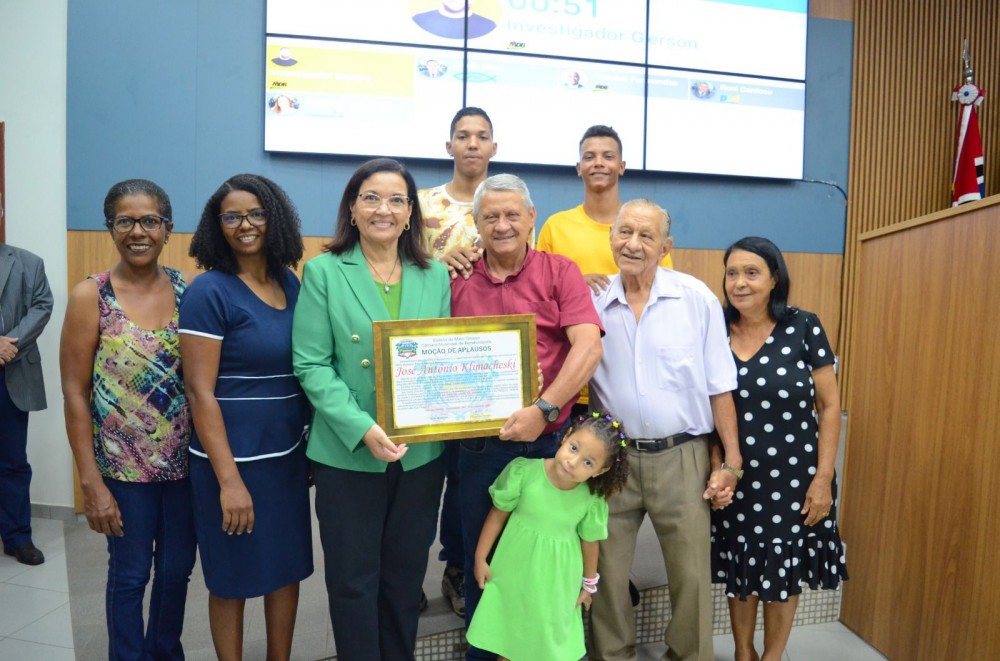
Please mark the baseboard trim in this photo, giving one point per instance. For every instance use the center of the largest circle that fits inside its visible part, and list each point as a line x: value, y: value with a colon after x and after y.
x: 56, y: 512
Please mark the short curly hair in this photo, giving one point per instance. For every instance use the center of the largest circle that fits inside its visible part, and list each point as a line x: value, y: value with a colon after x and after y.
x: 283, y: 242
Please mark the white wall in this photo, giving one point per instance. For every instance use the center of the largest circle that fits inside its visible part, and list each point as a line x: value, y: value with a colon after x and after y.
x: 33, y: 107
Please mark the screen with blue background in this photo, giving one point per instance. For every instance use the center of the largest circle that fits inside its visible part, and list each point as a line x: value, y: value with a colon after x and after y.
x: 175, y: 97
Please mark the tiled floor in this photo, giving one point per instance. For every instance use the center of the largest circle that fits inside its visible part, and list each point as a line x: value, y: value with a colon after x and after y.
x: 34, y: 601
x: 812, y: 642
x: 36, y: 622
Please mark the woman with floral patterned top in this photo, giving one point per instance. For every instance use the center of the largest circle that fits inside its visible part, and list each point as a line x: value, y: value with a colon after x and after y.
x: 129, y: 425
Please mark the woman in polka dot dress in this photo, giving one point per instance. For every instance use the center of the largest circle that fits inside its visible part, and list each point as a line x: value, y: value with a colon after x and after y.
x: 780, y: 531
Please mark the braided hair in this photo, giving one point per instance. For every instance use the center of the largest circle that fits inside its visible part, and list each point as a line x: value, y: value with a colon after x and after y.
x: 611, y: 432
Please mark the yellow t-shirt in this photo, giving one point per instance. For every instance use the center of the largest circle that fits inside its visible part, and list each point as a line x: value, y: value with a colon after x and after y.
x: 574, y: 234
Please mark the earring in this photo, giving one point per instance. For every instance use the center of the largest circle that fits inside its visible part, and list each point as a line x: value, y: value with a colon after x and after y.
x: 406, y: 227
x: 354, y: 223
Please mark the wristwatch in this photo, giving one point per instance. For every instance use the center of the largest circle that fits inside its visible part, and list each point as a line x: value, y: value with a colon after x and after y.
x: 549, y: 411
x: 738, y: 472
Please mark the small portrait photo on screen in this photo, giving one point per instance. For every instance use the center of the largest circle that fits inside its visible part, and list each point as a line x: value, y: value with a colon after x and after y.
x: 701, y: 89
x: 571, y: 79
x: 285, y: 58
x: 432, y: 68
x: 283, y: 104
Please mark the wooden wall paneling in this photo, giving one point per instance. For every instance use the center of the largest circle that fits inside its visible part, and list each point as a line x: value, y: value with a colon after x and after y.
x: 907, y: 59
x: 874, y: 449
x: 93, y: 252
x: 816, y: 281
x: 706, y: 265
x: 985, y: 560
x: 816, y: 277
x: 923, y: 434
x: 817, y: 287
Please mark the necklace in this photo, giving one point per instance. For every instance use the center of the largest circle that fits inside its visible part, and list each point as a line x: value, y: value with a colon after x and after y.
x: 385, y: 281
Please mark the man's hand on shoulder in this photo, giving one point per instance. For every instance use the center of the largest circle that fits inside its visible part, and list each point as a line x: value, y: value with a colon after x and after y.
x: 460, y: 260
x: 597, y: 282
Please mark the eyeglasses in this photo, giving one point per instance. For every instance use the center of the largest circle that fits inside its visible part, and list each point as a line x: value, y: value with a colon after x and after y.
x: 257, y: 217
x: 124, y: 224
x: 374, y: 201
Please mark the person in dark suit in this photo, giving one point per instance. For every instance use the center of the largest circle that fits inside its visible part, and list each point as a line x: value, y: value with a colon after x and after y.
x: 25, y: 307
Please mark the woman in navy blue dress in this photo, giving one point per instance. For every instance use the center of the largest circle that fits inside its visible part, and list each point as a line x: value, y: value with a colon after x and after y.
x: 248, y: 464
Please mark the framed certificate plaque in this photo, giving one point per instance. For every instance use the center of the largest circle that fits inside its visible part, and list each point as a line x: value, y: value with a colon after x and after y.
x: 461, y: 377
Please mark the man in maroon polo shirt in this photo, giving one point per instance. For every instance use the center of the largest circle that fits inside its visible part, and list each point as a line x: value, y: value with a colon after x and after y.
x: 513, y: 278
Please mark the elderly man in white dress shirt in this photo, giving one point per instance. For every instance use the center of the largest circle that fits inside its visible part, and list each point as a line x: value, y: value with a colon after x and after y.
x: 667, y: 373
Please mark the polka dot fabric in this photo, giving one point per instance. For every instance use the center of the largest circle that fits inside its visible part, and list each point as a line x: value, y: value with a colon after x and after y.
x: 760, y: 545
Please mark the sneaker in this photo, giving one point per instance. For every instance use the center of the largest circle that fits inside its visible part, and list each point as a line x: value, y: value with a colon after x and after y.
x: 453, y: 588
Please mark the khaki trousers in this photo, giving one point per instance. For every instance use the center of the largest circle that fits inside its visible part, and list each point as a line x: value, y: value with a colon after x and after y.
x: 668, y: 486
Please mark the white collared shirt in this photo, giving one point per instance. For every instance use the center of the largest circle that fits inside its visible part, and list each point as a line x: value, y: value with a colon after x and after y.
x: 657, y: 375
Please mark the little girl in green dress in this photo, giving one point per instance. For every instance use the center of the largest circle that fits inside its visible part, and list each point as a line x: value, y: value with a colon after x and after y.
x: 545, y: 565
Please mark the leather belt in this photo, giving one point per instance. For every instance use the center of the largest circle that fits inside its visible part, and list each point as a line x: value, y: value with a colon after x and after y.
x: 657, y: 444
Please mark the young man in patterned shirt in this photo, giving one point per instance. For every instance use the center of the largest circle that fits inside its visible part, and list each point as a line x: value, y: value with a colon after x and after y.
x: 450, y: 236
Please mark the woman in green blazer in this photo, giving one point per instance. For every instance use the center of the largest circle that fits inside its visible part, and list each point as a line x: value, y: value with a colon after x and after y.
x: 376, y: 501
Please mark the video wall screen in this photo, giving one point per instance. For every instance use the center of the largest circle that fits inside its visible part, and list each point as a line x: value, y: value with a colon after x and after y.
x: 701, y: 86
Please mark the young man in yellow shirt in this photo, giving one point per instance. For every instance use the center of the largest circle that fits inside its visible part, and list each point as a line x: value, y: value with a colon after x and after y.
x: 583, y: 232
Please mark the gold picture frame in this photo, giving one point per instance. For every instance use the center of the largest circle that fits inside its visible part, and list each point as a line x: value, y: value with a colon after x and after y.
x: 461, y: 377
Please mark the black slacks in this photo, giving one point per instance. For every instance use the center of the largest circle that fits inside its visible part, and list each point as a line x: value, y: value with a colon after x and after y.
x: 376, y: 530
